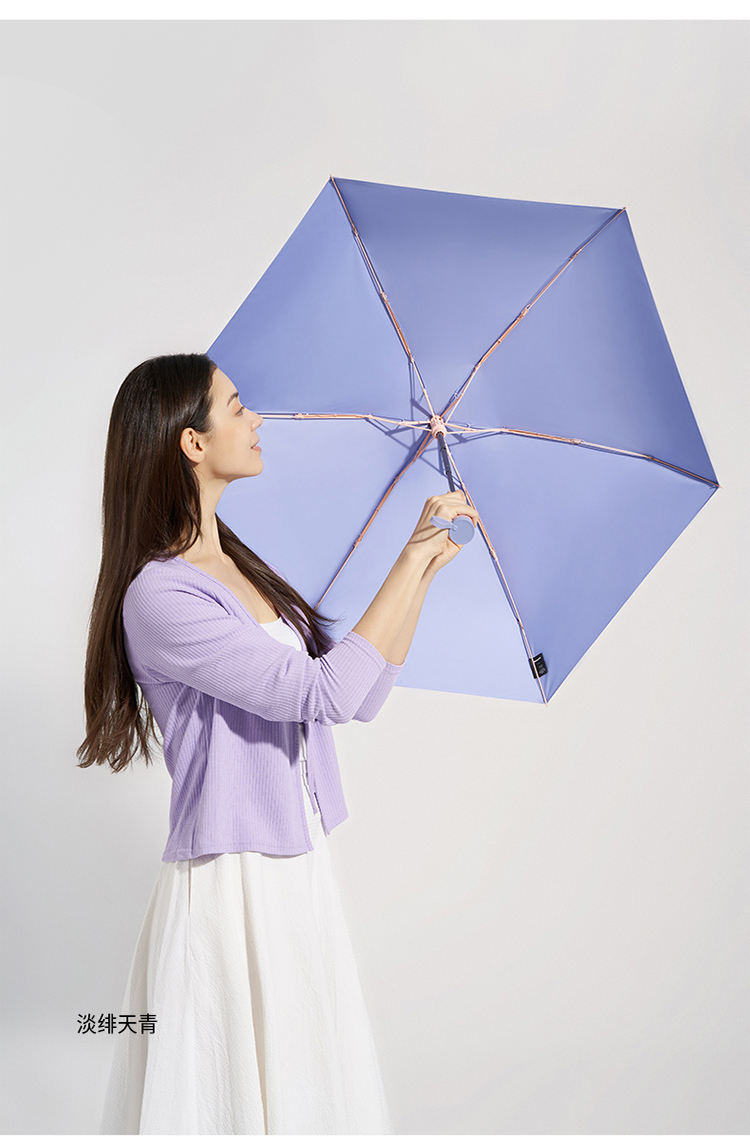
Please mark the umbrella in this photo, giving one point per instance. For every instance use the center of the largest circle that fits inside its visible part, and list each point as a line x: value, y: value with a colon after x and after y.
x: 402, y: 336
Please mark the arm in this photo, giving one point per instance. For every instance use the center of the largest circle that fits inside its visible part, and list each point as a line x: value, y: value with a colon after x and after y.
x: 394, y: 604
x: 409, y: 574
x: 378, y: 693
x: 388, y: 624
x: 384, y: 683
x: 402, y: 643
x: 181, y: 633
x: 390, y: 621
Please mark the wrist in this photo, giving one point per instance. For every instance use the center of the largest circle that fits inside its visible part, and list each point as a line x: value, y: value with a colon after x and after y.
x: 417, y: 561
x: 430, y: 572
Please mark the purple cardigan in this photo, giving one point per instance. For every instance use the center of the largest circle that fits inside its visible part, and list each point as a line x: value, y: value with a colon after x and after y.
x: 228, y: 698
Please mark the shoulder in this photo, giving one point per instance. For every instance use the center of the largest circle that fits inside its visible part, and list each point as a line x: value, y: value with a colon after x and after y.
x: 157, y: 574
x: 164, y: 584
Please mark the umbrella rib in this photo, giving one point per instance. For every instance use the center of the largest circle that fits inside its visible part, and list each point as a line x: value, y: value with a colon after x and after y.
x: 581, y: 442
x: 499, y: 568
x: 458, y: 395
x: 419, y: 424
x: 381, y: 292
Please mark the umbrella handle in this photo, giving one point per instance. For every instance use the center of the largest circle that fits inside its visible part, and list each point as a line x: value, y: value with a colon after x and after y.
x: 461, y: 527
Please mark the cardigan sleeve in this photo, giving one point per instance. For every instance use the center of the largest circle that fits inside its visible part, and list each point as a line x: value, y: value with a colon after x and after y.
x: 380, y: 689
x: 379, y: 692
x: 178, y: 632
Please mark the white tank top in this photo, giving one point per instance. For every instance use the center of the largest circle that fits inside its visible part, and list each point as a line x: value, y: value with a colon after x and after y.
x: 286, y: 635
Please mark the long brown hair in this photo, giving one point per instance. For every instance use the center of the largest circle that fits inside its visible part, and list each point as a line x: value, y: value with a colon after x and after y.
x: 151, y: 510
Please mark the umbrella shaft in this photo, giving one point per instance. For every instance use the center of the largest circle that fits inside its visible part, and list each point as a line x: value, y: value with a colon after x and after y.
x: 446, y: 463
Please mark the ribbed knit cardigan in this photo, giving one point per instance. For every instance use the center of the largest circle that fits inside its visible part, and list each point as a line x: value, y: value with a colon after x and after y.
x: 228, y: 700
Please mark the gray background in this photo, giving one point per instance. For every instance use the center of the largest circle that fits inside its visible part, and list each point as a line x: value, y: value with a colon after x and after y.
x: 549, y: 908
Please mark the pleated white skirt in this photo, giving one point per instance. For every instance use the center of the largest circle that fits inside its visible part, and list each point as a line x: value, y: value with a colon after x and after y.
x: 261, y: 1024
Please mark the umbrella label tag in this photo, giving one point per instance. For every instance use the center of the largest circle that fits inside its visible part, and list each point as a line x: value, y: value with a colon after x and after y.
x: 538, y: 666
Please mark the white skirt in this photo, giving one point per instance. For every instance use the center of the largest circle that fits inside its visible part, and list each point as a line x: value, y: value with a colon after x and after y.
x: 245, y: 960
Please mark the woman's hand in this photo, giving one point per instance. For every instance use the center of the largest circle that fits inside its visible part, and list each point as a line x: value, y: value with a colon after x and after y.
x: 434, y: 544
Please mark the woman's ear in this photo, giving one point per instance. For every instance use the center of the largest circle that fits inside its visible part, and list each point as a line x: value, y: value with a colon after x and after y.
x: 191, y: 444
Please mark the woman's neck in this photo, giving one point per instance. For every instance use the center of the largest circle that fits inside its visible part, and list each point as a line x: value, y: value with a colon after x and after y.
x: 207, y: 545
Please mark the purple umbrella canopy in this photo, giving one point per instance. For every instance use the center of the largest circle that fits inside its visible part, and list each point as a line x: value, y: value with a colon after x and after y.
x: 523, y: 331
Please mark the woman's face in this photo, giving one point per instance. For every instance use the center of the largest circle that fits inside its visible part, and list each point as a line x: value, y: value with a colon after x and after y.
x: 228, y: 452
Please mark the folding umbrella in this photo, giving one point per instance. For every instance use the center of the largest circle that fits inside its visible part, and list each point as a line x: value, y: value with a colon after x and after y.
x: 521, y: 340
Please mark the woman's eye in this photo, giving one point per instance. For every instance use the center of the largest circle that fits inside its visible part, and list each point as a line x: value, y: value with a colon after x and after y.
x: 239, y: 412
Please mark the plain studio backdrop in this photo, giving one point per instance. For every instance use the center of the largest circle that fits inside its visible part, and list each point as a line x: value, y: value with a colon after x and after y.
x: 548, y: 904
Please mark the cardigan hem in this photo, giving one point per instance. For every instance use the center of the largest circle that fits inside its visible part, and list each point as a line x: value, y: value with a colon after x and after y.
x: 242, y: 847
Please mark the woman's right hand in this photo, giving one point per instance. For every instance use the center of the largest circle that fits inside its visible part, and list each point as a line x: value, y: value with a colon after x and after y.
x: 432, y: 544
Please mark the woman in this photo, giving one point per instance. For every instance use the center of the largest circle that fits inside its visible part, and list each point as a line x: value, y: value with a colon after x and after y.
x: 243, y: 959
